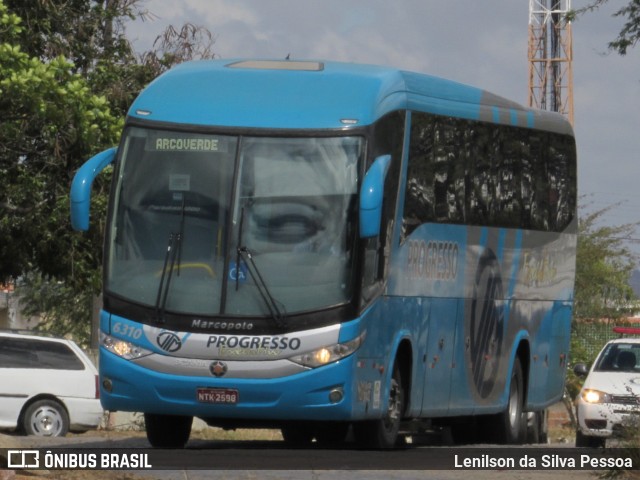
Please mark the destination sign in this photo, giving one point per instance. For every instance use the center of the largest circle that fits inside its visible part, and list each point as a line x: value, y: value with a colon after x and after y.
x: 186, y: 142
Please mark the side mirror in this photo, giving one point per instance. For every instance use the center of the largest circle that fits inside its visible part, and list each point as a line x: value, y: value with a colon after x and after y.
x: 81, y: 187
x: 580, y: 369
x: 371, y: 197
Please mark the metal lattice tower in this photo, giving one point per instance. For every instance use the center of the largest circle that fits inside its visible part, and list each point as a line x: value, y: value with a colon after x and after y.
x: 550, y: 56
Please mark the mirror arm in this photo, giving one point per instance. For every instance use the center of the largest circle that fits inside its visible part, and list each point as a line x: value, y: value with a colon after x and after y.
x: 81, y: 187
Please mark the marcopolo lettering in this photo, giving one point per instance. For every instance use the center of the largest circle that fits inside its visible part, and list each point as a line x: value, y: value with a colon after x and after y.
x: 433, y: 260
x: 254, y: 343
x: 220, y: 325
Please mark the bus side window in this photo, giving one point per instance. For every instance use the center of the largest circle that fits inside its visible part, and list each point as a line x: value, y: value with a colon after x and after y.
x: 436, y: 175
x: 480, y: 173
x: 419, y: 201
x: 561, y: 172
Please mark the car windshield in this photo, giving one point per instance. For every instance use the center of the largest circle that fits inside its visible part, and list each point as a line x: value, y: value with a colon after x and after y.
x: 179, y: 223
x: 619, y: 357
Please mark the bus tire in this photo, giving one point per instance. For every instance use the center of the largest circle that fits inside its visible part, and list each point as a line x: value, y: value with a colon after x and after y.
x: 167, y: 431
x: 537, y: 427
x: 512, y: 423
x: 383, y: 433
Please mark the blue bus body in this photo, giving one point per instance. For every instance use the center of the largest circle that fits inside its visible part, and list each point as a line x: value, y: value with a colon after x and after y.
x: 449, y: 293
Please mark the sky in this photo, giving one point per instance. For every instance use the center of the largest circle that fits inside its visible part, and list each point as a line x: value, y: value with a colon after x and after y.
x: 477, y: 42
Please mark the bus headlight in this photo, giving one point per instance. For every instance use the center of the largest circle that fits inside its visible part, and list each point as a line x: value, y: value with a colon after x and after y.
x: 123, y: 349
x: 595, y: 396
x: 328, y: 354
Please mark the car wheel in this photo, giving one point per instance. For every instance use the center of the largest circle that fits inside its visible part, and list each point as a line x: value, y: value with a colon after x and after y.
x: 45, y: 418
x: 167, y: 431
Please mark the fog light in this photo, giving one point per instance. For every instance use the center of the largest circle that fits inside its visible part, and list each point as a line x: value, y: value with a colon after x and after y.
x: 107, y: 384
x: 336, y: 395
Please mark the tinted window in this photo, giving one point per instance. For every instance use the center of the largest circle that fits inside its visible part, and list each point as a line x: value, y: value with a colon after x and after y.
x: 619, y: 357
x: 477, y: 173
x: 32, y: 353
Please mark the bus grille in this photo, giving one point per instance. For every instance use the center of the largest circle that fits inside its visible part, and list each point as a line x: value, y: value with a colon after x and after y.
x: 625, y: 399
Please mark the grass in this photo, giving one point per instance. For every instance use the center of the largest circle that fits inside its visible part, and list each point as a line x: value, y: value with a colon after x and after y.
x: 562, y: 434
x: 240, y: 434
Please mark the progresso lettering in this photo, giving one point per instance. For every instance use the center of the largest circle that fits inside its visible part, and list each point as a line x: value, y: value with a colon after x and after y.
x: 433, y: 260
x: 253, y: 343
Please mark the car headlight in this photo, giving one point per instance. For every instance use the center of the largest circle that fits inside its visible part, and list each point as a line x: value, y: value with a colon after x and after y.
x: 595, y: 396
x: 329, y: 354
x: 123, y: 349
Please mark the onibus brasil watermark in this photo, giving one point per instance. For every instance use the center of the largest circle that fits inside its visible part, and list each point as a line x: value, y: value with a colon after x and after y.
x: 36, y: 459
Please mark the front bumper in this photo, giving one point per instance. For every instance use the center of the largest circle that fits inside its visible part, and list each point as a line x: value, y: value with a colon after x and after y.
x: 303, y: 396
x: 606, y: 419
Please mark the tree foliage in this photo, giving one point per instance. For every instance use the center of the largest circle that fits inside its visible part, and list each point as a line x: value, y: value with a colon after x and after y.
x: 63, y: 309
x: 629, y: 34
x: 604, y: 265
x: 51, y: 121
x: 67, y: 77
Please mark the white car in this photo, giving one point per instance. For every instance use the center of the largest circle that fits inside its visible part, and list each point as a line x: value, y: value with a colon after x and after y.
x: 48, y: 386
x: 609, y: 401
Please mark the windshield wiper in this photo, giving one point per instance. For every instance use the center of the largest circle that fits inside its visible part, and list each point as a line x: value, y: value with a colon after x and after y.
x: 173, y: 255
x: 181, y: 234
x: 243, y: 253
x: 269, y: 300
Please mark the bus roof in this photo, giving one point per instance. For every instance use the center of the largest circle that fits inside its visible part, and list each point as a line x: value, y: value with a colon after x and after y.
x: 285, y: 94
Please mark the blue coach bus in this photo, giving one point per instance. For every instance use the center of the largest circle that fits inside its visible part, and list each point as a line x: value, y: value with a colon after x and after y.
x: 314, y: 246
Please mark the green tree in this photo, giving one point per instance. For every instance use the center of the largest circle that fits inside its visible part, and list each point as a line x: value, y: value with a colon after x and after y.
x: 630, y: 32
x: 67, y: 77
x: 604, y: 265
x: 51, y: 121
x: 91, y: 34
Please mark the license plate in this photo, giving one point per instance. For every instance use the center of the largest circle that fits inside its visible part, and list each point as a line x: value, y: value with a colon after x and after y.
x: 227, y: 396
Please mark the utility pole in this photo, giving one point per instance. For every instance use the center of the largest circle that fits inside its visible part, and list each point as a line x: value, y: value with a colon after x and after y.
x: 550, y: 56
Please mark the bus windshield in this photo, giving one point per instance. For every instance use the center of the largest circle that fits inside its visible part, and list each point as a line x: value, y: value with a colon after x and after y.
x: 183, y: 238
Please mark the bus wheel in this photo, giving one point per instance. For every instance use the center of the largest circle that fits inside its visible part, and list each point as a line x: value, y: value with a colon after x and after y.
x: 383, y: 433
x: 167, y: 431
x: 537, y: 427
x: 512, y: 423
